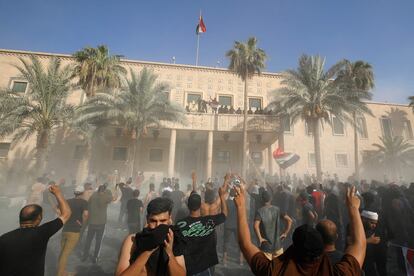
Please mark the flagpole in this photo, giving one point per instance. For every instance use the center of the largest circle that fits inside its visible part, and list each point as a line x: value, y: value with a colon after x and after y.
x: 198, y: 41
x: 198, y: 46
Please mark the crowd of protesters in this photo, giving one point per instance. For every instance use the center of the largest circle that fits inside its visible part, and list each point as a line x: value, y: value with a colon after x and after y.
x: 213, y: 106
x: 283, y: 227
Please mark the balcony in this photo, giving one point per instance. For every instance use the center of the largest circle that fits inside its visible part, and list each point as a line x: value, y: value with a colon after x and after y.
x: 227, y: 122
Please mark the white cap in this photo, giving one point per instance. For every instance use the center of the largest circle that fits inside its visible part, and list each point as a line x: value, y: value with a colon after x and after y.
x: 369, y: 215
x: 79, y: 189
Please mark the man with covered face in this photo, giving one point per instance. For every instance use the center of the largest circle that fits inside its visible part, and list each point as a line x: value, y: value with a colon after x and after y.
x: 158, y: 249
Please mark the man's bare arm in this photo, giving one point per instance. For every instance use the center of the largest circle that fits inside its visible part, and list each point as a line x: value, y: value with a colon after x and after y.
x: 358, y: 246
x: 222, y: 195
x: 288, y: 224
x: 138, y: 266
x: 176, y: 265
x: 64, y: 209
x: 243, y: 234
x: 256, y: 227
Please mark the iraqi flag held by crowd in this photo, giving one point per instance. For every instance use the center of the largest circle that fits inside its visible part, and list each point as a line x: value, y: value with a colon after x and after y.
x: 285, y: 159
x: 201, y: 28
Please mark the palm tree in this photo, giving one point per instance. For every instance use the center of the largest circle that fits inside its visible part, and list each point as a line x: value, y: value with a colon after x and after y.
x: 411, y: 104
x: 140, y: 104
x: 309, y: 93
x: 96, y: 69
x: 246, y: 60
x: 42, y: 110
x: 358, y: 79
x: 392, y: 154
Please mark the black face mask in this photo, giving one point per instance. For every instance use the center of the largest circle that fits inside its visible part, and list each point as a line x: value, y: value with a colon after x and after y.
x: 149, y: 239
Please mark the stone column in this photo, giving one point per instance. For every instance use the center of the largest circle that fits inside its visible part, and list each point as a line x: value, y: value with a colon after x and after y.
x: 171, y: 156
x: 270, y: 160
x: 209, y: 160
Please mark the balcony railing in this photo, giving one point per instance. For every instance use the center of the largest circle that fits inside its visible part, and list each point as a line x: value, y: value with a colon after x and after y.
x: 227, y: 122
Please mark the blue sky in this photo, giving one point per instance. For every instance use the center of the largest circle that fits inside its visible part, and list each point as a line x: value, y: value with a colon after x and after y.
x: 378, y: 31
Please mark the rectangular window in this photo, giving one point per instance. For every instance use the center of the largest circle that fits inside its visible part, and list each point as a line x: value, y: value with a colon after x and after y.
x: 386, y: 127
x: 4, y: 150
x: 225, y: 100
x: 119, y: 154
x: 362, y: 127
x: 155, y: 155
x: 255, y: 103
x: 79, y: 152
x: 407, y: 130
x: 286, y: 124
x: 257, y: 157
x: 337, y: 126
x: 341, y: 160
x: 19, y: 86
x: 193, y: 97
x: 311, y: 160
x: 223, y: 156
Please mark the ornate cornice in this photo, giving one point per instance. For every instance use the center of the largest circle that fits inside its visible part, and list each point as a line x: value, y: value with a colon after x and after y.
x: 128, y: 62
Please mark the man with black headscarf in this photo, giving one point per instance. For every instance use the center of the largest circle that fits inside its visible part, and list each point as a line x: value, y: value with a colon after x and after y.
x: 201, y: 254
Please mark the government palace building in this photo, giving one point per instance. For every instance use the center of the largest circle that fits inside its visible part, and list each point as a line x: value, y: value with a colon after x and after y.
x: 208, y: 143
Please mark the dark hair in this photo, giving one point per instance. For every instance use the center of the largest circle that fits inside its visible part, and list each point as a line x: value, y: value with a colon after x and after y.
x: 102, y: 188
x: 166, y: 193
x: 266, y: 197
x: 30, y: 213
x: 136, y: 193
x: 307, y: 243
x: 209, y: 196
x: 194, y: 202
x: 159, y: 205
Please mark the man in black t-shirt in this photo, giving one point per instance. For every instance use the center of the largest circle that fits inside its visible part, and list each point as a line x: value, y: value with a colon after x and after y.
x: 177, y: 197
x: 134, y: 210
x: 127, y: 194
x: 201, y: 254
x: 71, y: 230
x: 22, y: 251
x: 309, y: 215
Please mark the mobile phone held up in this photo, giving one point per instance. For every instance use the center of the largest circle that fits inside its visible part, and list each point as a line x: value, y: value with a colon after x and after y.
x: 235, y: 181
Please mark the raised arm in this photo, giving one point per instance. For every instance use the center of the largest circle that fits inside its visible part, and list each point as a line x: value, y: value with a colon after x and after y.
x: 194, y: 179
x: 243, y: 234
x: 63, y: 205
x: 358, y: 245
x: 222, y: 195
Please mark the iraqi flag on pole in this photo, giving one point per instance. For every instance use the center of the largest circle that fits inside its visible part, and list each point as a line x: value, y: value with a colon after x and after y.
x: 285, y: 159
x: 201, y: 28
